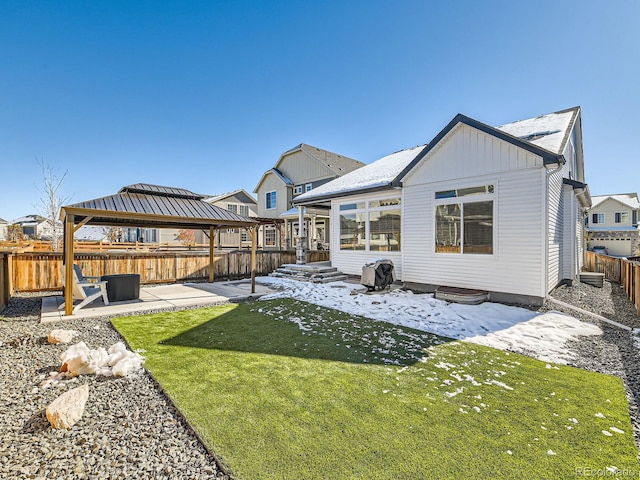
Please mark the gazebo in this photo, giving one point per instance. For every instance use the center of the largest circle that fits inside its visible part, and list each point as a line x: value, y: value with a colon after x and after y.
x: 145, y: 205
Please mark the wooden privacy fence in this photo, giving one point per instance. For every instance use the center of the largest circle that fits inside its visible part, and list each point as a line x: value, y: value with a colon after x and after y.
x: 621, y: 270
x: 610, y: 266
x: 31, y: 271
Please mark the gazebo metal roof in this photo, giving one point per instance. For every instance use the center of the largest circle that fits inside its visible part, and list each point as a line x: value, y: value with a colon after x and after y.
x: 146, y: 205
x: 154, y: 206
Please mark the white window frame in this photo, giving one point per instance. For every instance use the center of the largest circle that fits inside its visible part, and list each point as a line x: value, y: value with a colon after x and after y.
x: 244, y: 210
x: 232, y: 207
x: 269, y: 229
x: 366, y: 210
x: 598, y: 216
x: 308, y: 187
x: 297, y: 190
x: 620, y: 215
x: 275, y: 200
x: 461, y: 200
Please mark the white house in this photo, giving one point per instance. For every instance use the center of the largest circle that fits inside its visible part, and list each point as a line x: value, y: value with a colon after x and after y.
x: 37, y: 227
x: 498, y: 209
x: 612, y: 222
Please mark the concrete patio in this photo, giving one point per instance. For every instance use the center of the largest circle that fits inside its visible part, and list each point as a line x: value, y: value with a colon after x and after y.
x: 155, y: 298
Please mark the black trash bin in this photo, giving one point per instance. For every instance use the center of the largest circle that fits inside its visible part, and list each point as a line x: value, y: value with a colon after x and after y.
x: 122, y: 287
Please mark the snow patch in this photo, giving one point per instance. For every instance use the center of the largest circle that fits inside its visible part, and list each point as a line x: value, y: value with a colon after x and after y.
x: 490, y: 324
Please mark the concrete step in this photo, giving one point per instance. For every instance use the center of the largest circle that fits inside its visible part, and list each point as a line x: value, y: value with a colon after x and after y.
x: 321, y: 272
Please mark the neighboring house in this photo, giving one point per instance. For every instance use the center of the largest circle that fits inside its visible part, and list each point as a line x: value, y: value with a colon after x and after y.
x: 298, y: 170
x: 612, y: 222
x: 37, y: 227
x: 240, y: 202
x: 4, y: 225
x: 498, y: 209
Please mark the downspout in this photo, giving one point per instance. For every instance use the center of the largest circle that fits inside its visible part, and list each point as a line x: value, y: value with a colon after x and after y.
x: 549, y: 172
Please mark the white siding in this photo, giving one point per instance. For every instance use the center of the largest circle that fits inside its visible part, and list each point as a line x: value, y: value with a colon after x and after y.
x: 468, y: 152
x: 555, y: 229
x: 515, y: 267
x: 569, y: 246
x: 469, y: 157
x: 351, y: 262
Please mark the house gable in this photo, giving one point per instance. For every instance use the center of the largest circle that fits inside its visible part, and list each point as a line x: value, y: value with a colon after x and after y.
x: 308, y: 164
x: 237, y: 196
x: 466, y: 151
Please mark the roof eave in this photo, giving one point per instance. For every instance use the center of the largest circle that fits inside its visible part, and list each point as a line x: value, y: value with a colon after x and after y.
x: 350, y: 193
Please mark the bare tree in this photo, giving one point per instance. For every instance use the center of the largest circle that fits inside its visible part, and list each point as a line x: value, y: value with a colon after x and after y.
x: 52, y: 199
x: 113, y: 234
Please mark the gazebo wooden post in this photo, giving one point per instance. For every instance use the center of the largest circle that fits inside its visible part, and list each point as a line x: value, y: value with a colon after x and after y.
x: 212, y: 260
x: 69, y: 221
x: 254, y: 243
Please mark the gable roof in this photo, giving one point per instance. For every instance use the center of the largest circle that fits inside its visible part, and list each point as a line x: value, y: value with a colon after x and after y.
x: 628, y: 199
x: 217, y: 198
x: 334, y: 163
x: 389, y: 171
x: 376, y: 175
x: 550, y: 131
x: 274, y: 171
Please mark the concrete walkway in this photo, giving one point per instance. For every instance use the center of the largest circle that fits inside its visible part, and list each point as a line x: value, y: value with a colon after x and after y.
x: 154, y: 298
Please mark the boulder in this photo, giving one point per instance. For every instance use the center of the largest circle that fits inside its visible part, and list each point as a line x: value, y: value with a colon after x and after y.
x: 61, y: 336
x: 68, y: 408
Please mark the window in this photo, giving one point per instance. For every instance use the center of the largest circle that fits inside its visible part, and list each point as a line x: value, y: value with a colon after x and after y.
x: 465, y: 192
x: 244, y: 210
x: 308, y: 187
x: 270, y: 236
x: 464, y: 225
x: 244, y: 235
x: 297, y: 190
x: 373, y: 226
x: 232, y: 207
x: 597, y: 218
x: 352, y: 231
x: 272, y: 200
x: 621, y: 217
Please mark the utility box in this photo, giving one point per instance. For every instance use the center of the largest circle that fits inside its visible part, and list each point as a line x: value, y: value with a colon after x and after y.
x: 378, y: 274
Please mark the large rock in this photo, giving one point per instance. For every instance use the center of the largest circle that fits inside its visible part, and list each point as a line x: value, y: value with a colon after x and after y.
x: 61, y: 336
x: 68, y: 408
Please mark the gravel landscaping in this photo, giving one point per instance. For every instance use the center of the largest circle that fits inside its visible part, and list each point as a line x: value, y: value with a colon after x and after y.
x: 129, y: 427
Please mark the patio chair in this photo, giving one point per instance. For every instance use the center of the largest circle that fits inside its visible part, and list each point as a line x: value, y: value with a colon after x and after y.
x: 86, y: 289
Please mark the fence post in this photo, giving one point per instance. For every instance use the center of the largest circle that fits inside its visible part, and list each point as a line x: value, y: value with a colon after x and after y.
x: 636, y: 287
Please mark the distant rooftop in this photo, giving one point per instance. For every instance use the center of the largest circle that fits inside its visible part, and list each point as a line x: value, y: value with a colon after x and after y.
x: 629, y: 199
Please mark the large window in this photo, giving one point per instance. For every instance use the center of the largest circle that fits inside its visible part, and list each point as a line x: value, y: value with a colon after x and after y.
x: 597, y: 218
x: 464, y: 222
x: 232, y: 207
x: 244, y: 210
x: 373, y: 225
x: 271, y: 200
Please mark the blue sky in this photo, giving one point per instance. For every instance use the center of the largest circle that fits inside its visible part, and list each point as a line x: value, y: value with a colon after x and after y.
x: 207, y: 95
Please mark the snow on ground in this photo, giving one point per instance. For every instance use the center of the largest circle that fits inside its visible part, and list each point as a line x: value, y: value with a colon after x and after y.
x: 543, y: 336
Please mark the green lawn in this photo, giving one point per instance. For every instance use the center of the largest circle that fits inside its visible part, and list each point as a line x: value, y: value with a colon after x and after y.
x: 283, y: 389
